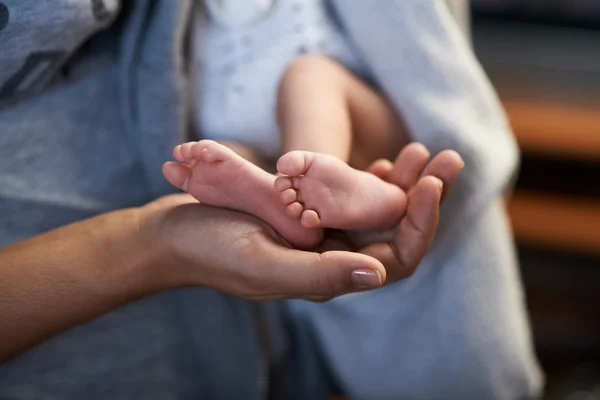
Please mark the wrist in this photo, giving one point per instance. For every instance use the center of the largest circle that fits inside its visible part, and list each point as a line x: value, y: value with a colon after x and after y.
x: 137, y: 272
x: 164, y: 263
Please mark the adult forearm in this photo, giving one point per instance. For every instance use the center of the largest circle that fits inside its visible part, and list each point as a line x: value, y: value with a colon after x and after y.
x: 70, y: 275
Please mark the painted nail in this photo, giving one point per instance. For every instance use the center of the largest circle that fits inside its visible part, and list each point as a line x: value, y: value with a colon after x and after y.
x: 366, y: 278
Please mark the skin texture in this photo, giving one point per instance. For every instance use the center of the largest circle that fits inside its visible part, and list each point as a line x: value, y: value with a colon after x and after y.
x: 319, y: 190
x: 333, y: 126
x: 216, y: 175
x: 70, y: 275
x: 328, y: 119
x: 323, y: 191
x: 324, y: 108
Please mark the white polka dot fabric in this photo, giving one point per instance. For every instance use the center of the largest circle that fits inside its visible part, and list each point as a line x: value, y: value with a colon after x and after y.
x: 242, y: 48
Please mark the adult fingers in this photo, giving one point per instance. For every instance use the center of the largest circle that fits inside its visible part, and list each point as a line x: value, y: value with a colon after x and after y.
x: 408, y: 166
x: 446, y: 166
x: 414, y: 234
x: 282, y: 272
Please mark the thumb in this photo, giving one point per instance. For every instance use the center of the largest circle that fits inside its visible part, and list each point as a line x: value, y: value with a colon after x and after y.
x: 309, y: 275
x: 415, y: 233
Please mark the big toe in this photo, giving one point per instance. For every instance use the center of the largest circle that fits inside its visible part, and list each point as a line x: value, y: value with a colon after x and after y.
x: 295, y: 163
x: 176, y: 174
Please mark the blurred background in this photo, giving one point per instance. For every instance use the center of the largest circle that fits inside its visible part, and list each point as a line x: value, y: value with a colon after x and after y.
x: 543, y: 56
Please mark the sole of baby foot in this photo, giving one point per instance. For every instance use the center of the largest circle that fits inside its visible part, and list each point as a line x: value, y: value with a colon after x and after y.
x: 324, y: 191
x: 217, y: 176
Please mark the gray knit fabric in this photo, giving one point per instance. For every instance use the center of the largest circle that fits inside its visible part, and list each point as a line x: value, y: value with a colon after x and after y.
x: 38, y: 37
x: 89, y: 133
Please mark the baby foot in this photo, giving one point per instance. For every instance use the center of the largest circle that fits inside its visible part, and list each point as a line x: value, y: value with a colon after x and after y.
x: 217, y: 176
x: 323, y: 191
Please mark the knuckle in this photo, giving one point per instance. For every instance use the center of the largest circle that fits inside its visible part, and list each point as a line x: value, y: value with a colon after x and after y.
x: 324, y: 286
x: 404, y: 267
x: 415, y: 227
x: 407, y: 272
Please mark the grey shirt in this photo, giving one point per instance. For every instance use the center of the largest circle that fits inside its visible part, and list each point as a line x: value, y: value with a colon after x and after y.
x: 71, y: 148
x: 38, y: 37
x: 86, y: 129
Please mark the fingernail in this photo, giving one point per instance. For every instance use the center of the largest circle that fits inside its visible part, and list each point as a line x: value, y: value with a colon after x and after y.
x: 366, y: 278
x: 440, y: 184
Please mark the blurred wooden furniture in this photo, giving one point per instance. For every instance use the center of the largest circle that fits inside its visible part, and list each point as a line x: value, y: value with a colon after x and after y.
x: 555, y: 129
x: 564, y: 132
x: 556, y: 222
x: 548, y: 78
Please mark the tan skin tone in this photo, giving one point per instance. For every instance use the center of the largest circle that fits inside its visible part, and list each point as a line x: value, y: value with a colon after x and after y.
x: 70, y: 275
x: 324, y: 108
x: 330, y: 122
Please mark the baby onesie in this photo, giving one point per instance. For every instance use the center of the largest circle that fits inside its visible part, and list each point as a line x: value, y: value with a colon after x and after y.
x: 242, y: 48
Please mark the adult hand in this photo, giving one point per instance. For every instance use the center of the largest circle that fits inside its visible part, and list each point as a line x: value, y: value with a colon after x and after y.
x: 112, y: 259
x: 240, y: 255
x: 69, y: 275
x: 427, y: 184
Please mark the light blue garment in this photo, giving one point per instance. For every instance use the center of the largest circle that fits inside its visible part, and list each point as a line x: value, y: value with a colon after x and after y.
x: 238, y: 64
x: 456, y: 329
x: 95, y: 139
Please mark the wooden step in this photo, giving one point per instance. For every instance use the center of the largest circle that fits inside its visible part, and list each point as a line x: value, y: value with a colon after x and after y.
x: 555, y: 129
x: 556, y: 222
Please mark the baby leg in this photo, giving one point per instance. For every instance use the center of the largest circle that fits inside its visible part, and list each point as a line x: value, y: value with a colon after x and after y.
x: 327, y: 118
x: 324, y: 108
